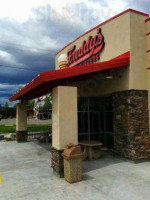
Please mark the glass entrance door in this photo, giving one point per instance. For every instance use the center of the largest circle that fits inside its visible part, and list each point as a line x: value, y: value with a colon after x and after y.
x: 95, y: 120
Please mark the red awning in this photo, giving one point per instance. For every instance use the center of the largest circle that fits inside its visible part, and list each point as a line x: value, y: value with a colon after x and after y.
x: 45, y: 81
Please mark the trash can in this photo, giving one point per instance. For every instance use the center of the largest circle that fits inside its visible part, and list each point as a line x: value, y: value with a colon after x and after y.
x: 72, y: 163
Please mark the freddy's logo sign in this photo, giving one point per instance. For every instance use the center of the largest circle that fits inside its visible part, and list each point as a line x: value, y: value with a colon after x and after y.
x: 88, y: 52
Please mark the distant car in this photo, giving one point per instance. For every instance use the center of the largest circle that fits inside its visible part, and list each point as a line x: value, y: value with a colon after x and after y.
x: 42, y: 116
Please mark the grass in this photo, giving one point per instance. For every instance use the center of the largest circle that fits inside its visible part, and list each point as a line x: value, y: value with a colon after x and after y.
x: 4, y: 129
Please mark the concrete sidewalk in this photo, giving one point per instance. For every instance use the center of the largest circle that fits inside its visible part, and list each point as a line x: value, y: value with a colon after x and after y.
x: 27, y: 175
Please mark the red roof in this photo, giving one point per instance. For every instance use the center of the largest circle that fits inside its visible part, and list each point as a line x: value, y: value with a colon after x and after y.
x: 147, y: 20
x: 45, y: 81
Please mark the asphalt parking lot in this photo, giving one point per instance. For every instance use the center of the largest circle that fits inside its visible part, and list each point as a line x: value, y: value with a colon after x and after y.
x: 27, y: 175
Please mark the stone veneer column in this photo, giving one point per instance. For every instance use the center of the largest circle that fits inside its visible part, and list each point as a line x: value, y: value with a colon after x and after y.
x: 21, y: 122
x: 64, y: 124
x: 131, y: 124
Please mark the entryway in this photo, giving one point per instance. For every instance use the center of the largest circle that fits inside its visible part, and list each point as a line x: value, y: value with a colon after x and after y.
x: 95, y: 120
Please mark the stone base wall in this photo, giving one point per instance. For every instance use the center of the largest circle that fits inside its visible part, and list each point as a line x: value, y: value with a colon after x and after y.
x: 131, y: 124
x: 21, y: 136
x: 57, y: 162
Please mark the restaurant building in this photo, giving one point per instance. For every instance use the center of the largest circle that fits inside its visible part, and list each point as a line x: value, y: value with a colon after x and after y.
x: 100, y: 89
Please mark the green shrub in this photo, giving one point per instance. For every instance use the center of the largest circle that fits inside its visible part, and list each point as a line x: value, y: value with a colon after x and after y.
x: 31, y: 128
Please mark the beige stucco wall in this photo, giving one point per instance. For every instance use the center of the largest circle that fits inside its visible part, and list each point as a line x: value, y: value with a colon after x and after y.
x: 147, y: 47
x: 147, y: 38
x: 148, y: 43
x: 64, y: 116
x: 116, y: 35
x: 99, y: 85
x: 138, y: 70
x: 122, y: 34
x: 21, y: 119
x: 147, y: 26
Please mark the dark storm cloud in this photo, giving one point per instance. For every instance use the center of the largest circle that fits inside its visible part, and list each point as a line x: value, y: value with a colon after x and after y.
x: 34, y: 63
x: 6, y: 90
x: 32, y: 45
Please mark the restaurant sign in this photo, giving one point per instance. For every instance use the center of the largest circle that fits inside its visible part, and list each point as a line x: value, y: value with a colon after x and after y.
x: 88, y: 53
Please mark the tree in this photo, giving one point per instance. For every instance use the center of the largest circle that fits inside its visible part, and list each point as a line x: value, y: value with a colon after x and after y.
x: 31, y: 104
x: 6, y: 105
x: 15, y: 105
x: 47, y: 103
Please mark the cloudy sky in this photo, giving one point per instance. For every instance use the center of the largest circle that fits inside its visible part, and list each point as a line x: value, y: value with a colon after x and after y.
x: 32, y: 31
